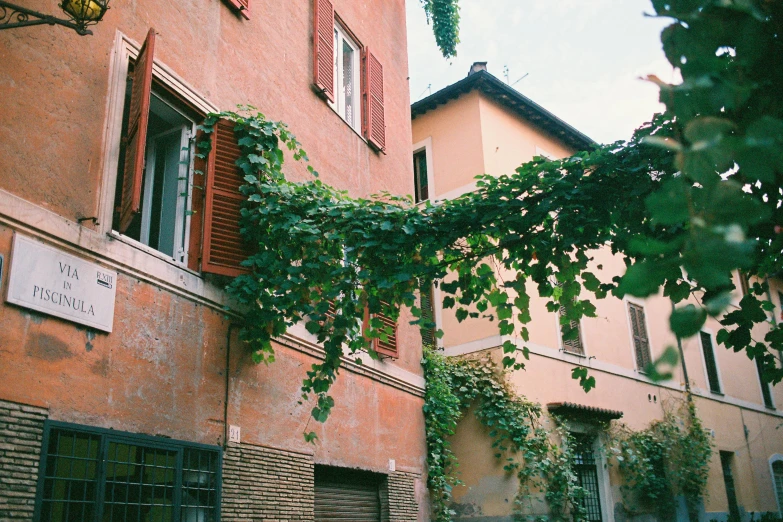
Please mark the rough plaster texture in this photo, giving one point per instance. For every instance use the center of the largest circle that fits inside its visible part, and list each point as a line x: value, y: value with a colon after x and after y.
x: 162, y: 371
x: 21, y: 431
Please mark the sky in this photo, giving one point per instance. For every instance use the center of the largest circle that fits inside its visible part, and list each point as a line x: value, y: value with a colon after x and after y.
x: 583, y: 59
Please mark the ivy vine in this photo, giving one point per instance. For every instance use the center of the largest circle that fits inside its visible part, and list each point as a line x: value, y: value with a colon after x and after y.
x: 444, y: 17
x: 540, y: 458
x: 670, y: 457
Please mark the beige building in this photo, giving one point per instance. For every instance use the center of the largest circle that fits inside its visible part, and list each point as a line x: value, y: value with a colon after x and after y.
x: 480, y: 125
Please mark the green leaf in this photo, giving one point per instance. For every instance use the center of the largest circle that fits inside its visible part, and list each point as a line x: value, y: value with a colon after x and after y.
x: 687, y: 320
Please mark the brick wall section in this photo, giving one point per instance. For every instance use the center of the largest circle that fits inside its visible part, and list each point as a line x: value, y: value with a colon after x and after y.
x: 402, y: 505
x: 21, y: 434
x: 266, y: 484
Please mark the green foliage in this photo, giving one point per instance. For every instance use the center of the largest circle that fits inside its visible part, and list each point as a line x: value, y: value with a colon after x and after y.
x: 671, y: 457
x: 444, y: 17
x: 526, y: 449
x: 667, y: 201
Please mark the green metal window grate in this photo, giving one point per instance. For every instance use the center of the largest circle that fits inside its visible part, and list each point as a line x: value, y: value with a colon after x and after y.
x: 586, y: 470
x: 90, y: 474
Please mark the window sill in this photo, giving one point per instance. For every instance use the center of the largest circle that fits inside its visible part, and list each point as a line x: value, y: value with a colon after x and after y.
x: 113, y: 234
x: 580, y: 355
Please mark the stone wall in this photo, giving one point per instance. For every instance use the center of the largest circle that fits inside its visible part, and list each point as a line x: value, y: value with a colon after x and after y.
x: 21, y: 434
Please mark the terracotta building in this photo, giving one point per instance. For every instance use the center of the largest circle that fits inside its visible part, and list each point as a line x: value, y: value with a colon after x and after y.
x: 125, y: 392
x: 481, y: 125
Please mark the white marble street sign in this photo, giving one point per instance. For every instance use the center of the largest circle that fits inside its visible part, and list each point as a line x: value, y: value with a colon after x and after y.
x: 48, y: 280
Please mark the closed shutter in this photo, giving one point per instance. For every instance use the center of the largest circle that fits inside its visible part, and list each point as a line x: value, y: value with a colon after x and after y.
x: 223, y: 246
x: 427, y: 317
x: 323, y: 48
x: 641, y: 342
x: 343, y: 495
x: 375, y: 122
x: 242, y: 6
x: 138, y: 119
x: 387, y: 346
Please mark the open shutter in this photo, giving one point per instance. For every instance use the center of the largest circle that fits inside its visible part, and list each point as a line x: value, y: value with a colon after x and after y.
x: 573, y: 345
x: 375, y: 122
x: 242, y: 6
x: 138, y: 118
x: 223, y: 246
x: 640, y: 340
x: 387, y: 347
x: 323, y: 48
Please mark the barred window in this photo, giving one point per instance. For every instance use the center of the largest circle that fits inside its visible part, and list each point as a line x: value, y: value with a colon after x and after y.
x: 93, y: 474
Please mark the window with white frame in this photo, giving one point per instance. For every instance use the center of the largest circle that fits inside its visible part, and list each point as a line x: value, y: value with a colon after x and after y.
x: 162, y: 221
x: 420, y: 176
x: 347, y: 79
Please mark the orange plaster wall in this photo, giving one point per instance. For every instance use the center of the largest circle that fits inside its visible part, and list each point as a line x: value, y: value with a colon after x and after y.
x: 162, y: 370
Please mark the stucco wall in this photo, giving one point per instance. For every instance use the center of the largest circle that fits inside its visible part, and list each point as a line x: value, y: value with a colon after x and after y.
x: 162, y: 371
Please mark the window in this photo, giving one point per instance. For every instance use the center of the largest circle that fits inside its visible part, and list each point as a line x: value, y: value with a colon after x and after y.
x: 165, y: 197
x: 586, y: 469
x: 766, y: 392
x: 571, y: 335
x: 744, y: 284
x: 385, y: 344
x: 345, y: 494
x: 348, y: 75
x: 726, y: 462
x: 777, y: 482
x: 709, y: 362
x: 93, y: 474
x: 420, y: 181
x: 427, y: 326
x: 641, y: 342
x: 163, y: 216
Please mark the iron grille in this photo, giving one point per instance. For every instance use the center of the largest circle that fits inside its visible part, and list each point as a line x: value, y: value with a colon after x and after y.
x: 90, y: 474
x: 587, y: 475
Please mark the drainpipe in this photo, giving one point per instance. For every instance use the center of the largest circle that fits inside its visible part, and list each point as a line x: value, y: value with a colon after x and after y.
x: 231, y: 327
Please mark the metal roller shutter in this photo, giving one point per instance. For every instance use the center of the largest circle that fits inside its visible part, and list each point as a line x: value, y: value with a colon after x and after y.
x: 346, y: 495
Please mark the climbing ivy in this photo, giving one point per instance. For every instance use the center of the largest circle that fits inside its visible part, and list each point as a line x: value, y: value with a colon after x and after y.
x: 670, y: 457
x: 541, y: 459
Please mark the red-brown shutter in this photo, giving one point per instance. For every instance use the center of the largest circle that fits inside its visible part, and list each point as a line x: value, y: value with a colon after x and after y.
x: 375, y: 122
x: 242, y: 6
x: 223, y: 246
x: 323, y: 48
x: 386, y: 347
x: 138, y: 118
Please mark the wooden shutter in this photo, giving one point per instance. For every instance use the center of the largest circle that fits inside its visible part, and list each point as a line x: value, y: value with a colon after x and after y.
x: 242, y: 6
x: 389, y: 346
x: 136, y: 138
x: 573, y: 345
x: 427, y: 316
x: 374, y: 119
x: 323, y: 48
x: 223, y: 246
x: 641, y: 342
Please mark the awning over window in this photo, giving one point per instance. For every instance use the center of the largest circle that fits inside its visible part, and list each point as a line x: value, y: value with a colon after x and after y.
x: 583, y: 412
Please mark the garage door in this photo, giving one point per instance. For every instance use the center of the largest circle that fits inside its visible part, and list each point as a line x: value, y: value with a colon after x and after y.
x: 346, y: 495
